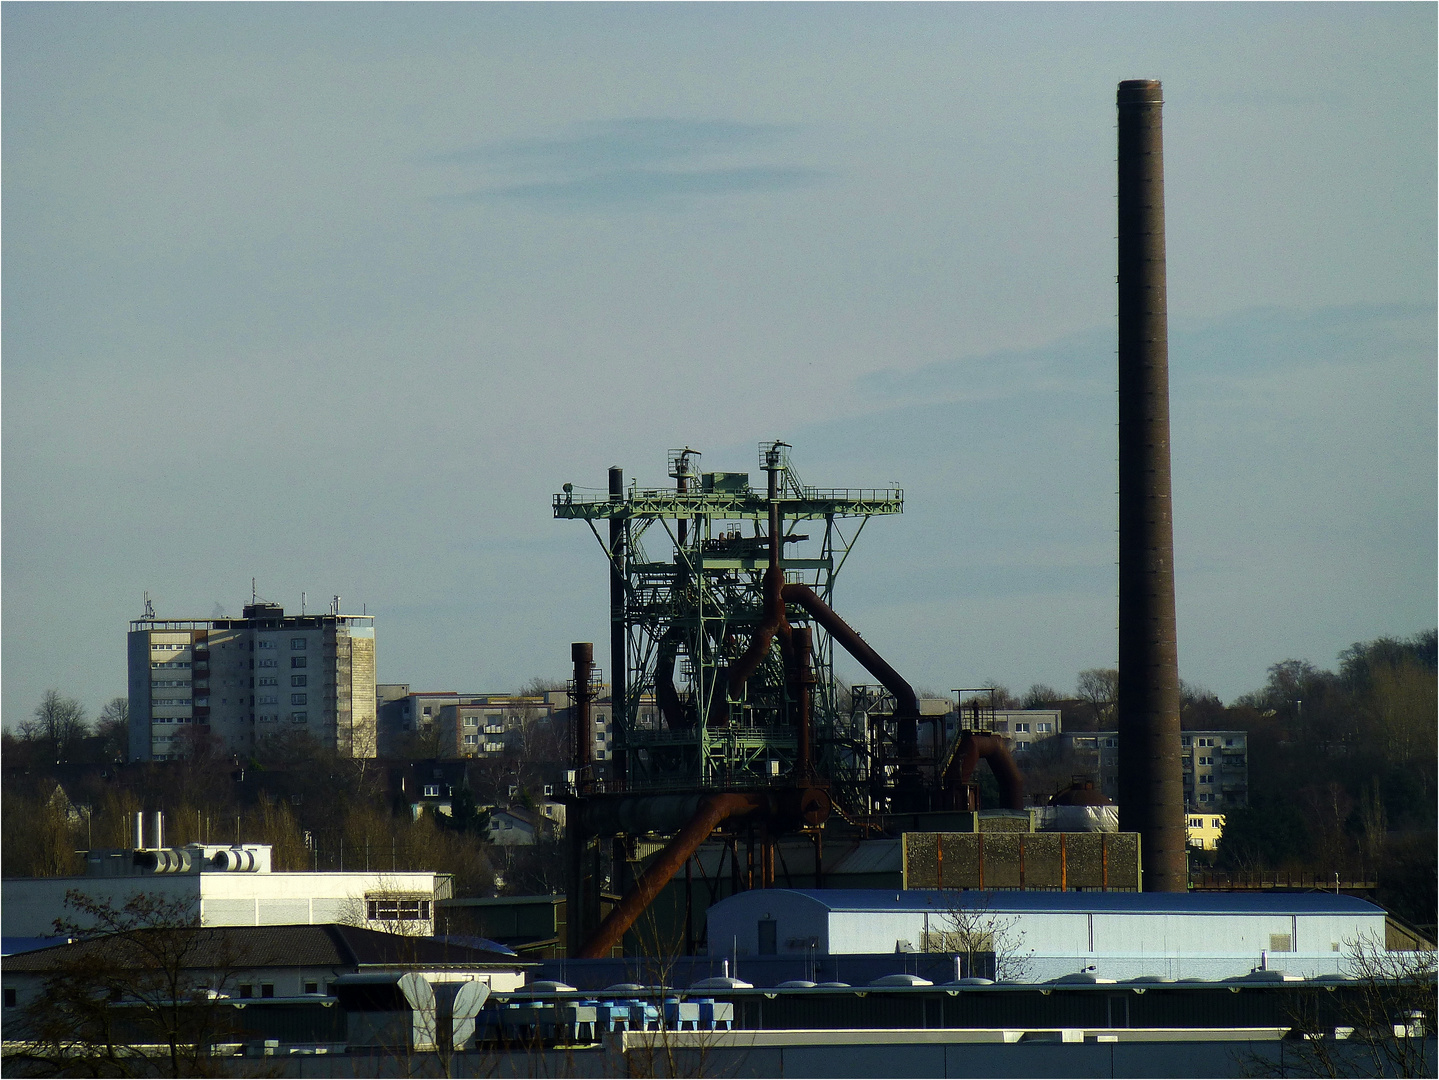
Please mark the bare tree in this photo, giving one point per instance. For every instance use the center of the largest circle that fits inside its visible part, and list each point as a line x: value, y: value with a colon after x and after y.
x: 113, y: 724
x: 1099, y: 688
x: 139, y: 991
x: 59, y: 722
x: 1381, y: 1022
x: 967, y: 926
x: 1040, y: 695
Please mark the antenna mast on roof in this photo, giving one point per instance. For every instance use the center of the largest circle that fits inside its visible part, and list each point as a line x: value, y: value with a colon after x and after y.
x: 149, y: 608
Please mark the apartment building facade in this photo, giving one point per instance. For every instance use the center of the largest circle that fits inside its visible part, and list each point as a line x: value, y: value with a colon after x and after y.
x: 1215, y: 764
x: 241, y: 681
x: 447, y: 724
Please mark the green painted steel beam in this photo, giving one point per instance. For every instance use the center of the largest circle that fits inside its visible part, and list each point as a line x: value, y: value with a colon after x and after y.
x: 731, y: 506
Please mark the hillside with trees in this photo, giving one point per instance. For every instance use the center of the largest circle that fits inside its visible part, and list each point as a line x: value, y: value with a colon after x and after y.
x: 1343, y: 778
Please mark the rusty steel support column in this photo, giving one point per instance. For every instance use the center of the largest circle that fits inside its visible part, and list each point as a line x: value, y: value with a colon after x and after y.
x: 619, y: 658
x: 1151, y: 790
x: 804, y: 682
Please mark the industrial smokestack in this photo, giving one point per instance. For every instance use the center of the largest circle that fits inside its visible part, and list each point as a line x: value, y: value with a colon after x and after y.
x: 1151, y: 787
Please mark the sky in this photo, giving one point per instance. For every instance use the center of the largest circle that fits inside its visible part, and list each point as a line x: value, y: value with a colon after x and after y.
x: 335, y: 297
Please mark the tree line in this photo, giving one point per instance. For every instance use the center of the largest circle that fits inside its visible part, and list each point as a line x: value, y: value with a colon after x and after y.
x: 1343, y: 765
x: 1342, y: 778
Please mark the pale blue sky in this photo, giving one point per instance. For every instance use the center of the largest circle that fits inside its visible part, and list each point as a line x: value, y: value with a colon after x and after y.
x: 336, y: 296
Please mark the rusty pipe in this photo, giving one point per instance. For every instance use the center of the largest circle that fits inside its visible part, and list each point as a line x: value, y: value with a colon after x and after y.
x: 713, y: 810
x: 804, y: 681
x: 666, y: 696
x: 990, y: 748
x: 775, y: 620
x: 906, y: 703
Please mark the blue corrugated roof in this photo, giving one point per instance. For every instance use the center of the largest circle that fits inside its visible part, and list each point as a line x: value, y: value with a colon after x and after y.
x: 1196, y: 903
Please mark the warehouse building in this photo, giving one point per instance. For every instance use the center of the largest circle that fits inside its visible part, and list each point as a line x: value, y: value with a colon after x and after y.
x: 222, y: 885
x: 1046, y: 935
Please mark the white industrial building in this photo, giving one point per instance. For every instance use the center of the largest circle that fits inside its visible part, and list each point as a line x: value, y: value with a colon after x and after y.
x: 224, y: 886
x: 1108, y: 935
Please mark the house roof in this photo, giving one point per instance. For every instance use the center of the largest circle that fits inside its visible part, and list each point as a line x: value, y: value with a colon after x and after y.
x: 321, y: 945
x: 1007, y: 901
x: 519, y: 813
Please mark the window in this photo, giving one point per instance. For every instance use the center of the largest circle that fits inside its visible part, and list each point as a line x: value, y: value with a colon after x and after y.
x: 1206, y: 778
x: 270, y: 699
x: 267, y: 990
x: 299, y: 717
x: 299, y: 680
x: 299, y: 661
x: 269, y: 663
x: 298, y: 643
x: 1043, y: 726
x: 246, y: 990
x: 1184, y: 741
x: 472, y: 740
x: 1021, y: 727
x: 472, y: 721
x: 312, y: 987
x: 269, y: 680
x: 298, y: 699
x: 10, y: 997
x: 267, y: 644
x: 396, y: 909
x: 1196, y: 823
x: 432, y: 791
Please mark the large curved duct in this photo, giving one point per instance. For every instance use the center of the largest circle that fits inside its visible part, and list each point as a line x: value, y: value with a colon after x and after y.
x: 666, y: 697
x: 966, y: 757
x: 775, y: 620
x: 906, y: 703
x: 710, y: 812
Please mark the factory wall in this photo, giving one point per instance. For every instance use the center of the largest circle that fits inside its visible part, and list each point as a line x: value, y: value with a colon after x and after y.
x: 1121, y: 944
x: 31, y: 905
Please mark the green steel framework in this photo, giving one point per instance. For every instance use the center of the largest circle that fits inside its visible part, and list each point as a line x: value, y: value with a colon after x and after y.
x: 695, y: 612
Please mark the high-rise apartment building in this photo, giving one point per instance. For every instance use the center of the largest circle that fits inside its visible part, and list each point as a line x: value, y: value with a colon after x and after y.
x: 241, y: 681
x: 1215, y: 766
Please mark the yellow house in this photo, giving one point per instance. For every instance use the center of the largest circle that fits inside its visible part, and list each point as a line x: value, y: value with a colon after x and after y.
x: 1204, y: 830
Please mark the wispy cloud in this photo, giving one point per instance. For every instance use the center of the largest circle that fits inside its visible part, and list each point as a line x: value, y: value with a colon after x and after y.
x: 628, y: 163
x: 1078, y: 364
